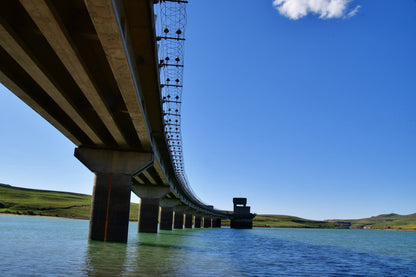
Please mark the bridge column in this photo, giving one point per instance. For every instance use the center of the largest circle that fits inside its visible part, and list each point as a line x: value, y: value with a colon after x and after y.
x: 216, y: 223
x: 198, y: 221
x: 178, y: 222
x: 213, y: 222
x: 188, y: 220
x: 150, y: 196
x: 166, y: 215
x: 110, y: 204
x: 207, y: 222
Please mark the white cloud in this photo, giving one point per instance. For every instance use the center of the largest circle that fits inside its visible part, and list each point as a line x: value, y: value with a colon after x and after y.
x: 354, y: 11
x: 295, y: 9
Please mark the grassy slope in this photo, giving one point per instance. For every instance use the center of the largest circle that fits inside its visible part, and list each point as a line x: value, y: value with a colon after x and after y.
x: 16, y: 200
x: 386, y: 221
x: 382, y: 222
x: 285, y: 221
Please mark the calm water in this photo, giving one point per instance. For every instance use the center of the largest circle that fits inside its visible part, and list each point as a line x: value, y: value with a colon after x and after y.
x: 34, y: 246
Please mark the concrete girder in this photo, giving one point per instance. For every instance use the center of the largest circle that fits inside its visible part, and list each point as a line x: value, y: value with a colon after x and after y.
x: 55, y: 33
x: 115, y: 41
x: 19, y: 92
x: 18, y: 51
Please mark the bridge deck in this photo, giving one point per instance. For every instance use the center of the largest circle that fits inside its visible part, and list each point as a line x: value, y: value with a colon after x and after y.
x: 91, y: 70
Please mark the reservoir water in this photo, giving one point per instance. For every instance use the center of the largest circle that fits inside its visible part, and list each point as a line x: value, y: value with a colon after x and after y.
x: 40, y: 246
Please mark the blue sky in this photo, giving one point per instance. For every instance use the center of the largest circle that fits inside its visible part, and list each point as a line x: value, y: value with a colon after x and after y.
x: 305, y: 110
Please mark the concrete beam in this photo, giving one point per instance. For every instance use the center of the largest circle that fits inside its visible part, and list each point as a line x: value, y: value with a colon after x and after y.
x: 25, y: 97
x: 59, y: 39
x: 106, y: 19
x: 19, y: 52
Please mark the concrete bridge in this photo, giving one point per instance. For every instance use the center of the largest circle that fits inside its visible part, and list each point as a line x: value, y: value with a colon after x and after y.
x: 91, y: 69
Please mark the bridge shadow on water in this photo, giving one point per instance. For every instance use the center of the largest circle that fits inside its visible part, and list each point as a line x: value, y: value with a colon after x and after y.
x: 105, y: 259
x: 164, y: 254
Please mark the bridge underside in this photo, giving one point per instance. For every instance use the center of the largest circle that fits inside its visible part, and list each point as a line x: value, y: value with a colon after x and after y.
x: 90, y: 68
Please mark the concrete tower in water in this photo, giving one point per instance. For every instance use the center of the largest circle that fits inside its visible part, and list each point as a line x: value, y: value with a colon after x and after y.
x: 241, y: 218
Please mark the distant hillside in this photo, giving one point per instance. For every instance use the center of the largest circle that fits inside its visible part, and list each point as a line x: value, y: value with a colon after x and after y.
x: 14, y: 200
x: 285, y: 221
x: 383, y: 222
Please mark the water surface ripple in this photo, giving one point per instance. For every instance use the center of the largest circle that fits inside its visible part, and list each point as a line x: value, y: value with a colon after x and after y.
x: 37, y: 246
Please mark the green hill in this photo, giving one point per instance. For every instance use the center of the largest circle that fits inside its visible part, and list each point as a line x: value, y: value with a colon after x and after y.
x: 14, y: 200
x: 383, y: 222
x: 285, y: 221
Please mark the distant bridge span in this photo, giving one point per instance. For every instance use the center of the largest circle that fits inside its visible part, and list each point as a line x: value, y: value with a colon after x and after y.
x: 91, y: 69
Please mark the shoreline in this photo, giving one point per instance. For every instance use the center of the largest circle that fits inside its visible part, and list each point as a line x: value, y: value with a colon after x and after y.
x: 66, y: 217
x: 268, y: 227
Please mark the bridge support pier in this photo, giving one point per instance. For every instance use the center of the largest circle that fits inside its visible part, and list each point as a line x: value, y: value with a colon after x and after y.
x: 207, y: 222
x: 166, y: 214
x: 216, y: 222
x: 150, y: 196
x: 188, y: 220
x: 110, y: 205
x: 197, y: 221
x: 166, y: 218
x: 178, y: 222
x: 148, y: 215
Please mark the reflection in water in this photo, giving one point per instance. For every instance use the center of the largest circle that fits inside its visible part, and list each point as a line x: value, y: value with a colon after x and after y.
x: 177, y: 253
x: 105, y: 259
x: 59, y: 247
x: 169, y: 253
